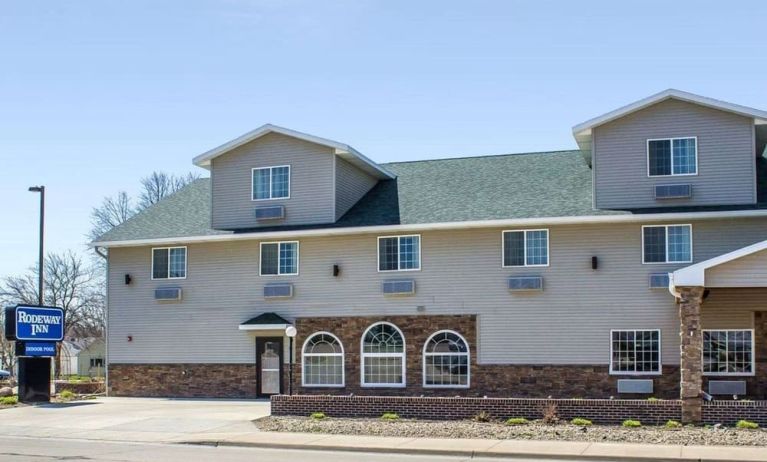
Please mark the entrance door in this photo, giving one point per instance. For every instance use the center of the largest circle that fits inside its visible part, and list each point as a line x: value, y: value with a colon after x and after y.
x: 269, y: 365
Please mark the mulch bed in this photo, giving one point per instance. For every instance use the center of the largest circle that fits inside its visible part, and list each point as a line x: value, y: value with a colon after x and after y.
x: 688, y: 435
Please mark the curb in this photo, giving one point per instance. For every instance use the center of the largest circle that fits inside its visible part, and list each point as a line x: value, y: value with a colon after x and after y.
x: 455, y: 453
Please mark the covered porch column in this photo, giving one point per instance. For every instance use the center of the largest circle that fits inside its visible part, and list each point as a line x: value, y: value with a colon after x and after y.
x: 691, y: 344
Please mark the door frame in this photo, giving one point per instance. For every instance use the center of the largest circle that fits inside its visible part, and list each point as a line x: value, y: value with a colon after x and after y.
x: 260, y: 341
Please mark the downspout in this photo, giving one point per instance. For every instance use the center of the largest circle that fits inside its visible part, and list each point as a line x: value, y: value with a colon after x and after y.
x: 672, y: 287
x: 103, y: 255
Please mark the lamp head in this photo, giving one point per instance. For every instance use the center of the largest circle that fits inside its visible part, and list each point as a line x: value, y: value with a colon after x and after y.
x: 290, y: 331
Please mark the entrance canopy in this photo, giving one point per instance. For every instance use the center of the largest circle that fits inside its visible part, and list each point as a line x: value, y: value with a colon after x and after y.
x: 746, y: 267
x: 266, y: 321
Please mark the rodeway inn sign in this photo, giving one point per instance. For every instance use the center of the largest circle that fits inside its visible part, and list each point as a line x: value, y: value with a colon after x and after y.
x: 34, y: 323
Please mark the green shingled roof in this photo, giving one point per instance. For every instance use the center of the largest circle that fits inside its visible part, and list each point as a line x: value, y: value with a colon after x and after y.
x: 533, y: 185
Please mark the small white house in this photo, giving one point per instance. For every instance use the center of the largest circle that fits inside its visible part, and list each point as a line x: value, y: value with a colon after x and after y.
x: 83, y: 357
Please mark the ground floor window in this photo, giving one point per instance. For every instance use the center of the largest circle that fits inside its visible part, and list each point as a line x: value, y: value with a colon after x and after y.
x: 728, y: 352
x: 383, y: 356
x: 635, y: 352
x: 322, y: 361
x: 446, y: 361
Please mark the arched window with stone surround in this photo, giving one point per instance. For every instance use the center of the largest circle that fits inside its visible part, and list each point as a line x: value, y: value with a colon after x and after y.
x: 383, y: 356
x: 322, y: 361
x: 446, y: 361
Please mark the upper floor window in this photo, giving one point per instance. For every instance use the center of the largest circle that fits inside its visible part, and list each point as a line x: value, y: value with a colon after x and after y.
x: 399, y: 253
x: 672, y: 156
x: 728, y: 352
x: 526, y: 248
x: 279, y: 258
x: 169, y: 263
x: 635, y: 352
x: 667, y: 244
x: 271, y: 183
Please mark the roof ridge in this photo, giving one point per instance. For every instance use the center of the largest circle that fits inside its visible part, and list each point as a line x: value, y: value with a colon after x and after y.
x: 484, y: 156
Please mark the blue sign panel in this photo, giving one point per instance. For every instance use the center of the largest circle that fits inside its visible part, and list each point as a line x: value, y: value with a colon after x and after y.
x: 34, y: 323
x: 39, y: 349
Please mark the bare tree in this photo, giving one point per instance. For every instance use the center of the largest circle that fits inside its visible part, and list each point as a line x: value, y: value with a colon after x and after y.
x: 112, y: 212
x: 7, y: 350
x: 159, y: 185
x: 69, y: 284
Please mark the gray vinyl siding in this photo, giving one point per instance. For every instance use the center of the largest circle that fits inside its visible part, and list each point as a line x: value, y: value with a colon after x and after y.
x: 351, y: 184
x: 567, y: 323
x: 726, y: 159
x: 748, y: 271
x: 311, y: 182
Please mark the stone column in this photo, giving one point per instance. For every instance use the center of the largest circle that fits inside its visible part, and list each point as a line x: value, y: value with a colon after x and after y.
x: 691, y: 345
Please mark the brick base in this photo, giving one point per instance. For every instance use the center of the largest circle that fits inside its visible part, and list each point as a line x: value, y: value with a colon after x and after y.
x: 183, y: 380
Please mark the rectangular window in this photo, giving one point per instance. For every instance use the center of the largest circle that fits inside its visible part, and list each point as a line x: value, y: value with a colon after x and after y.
x: 271, y: 183
x: 728, y: 352
x: 526, y: 247
x: 97, y: 362
x: 672, y: 156
x: 667, y: 244
x: 279, y: 258
x: 635, y: 352
x: 169, y: 263
x: 399, y: 253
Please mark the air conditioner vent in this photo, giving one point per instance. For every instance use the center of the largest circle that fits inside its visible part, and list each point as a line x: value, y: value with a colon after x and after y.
x: 659, y: 280
x: 271, y: 212
x: 643, y: 386
x: 673, y: 191
x: 278, y: 290
x: 399, y: 287
x: 167, y: 293
x: 727, y: 387
x: 525, y: 283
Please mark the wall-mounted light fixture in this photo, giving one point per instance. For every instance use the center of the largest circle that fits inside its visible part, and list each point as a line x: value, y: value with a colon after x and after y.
x: 128, y: 279
x: 594, y: 262
x: 336, y: 271
x: 130, y: 338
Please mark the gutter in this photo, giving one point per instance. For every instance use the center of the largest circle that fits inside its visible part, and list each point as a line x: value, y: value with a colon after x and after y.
x: 591, y: 219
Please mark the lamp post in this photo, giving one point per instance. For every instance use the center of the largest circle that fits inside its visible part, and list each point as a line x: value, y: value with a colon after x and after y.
x: 291, y: 332
x: 41, y: 190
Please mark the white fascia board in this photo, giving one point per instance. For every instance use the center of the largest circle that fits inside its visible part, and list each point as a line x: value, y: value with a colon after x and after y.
x: 545, y: 221
x: 204, y: 159
x: 263, y: 326
x: 695, y: 275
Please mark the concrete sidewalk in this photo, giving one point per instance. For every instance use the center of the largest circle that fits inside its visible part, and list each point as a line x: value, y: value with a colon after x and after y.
x: 569, y: 450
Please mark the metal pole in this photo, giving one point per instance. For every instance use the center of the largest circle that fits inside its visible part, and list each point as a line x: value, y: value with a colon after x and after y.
x: 290, y: 372
x: 42, y: 250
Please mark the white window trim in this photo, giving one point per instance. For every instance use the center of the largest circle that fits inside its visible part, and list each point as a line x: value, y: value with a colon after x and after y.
x: 399, y: 260
x: 186, y: 262
x: 730, y: 374
x: 667, y: 260
x: 467, y: 354
x: 660, y: 353
x: 253, y: 183
x: 671, y: 140
x: 525, y: 231
x: 260, y: 251
x: 364, y: 355
x: 342, y: 354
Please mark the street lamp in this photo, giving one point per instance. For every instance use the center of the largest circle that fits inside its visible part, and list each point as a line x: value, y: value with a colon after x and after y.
x: 291, y: 332
x: 41, y: 190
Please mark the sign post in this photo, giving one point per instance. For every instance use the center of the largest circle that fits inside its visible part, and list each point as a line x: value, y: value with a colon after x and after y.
x: 36, y: 330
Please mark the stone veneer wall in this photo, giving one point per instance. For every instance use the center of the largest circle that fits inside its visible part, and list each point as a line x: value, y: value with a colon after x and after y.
x: 183, y: 380
x: 528, y: 381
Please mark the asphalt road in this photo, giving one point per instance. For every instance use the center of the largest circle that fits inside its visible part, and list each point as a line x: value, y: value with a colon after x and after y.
x: 18, y: 449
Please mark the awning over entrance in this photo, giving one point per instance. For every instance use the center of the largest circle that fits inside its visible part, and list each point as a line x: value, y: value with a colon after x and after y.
x: 743, y: 267
x: 265, y: 321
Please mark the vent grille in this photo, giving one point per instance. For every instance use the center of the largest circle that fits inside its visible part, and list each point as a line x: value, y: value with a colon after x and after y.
x: 278, y: 290
x: 727, y: 387
x: 635, y: 386
x: 271, y: 212
x: 659, y: 280
x: 167, y: 293
x: 525, y: 283
x: 673, y: 191
x: 399, y: 287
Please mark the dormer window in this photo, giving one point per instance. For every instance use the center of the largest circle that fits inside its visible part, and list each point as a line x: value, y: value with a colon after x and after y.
x: 271, y: 183
x: 672, y: 156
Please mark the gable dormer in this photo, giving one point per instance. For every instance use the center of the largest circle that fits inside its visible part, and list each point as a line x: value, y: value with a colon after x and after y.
x: 673, y: 149
x: 273, y: 176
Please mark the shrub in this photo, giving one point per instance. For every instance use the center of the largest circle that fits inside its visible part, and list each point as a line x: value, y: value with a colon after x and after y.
x: 9, y: 401
x: 390, y: 416
x: 673, y: 424
x: 631, y: 423
x: 581, y: 422
x: 317, y: 415
x: 482, y: 416
x: 747, y: 424
x: 652, y: 399
x: 517, y: 421
x: 550, y: 414
x: 67, y: 395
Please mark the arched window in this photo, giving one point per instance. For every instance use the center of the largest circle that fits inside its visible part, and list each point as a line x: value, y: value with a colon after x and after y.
x: 322, y: 360
x: 383, y: 356
x: 446, y: 361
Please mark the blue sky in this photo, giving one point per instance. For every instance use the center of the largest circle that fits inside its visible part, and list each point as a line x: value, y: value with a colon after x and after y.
x: 94, y: 95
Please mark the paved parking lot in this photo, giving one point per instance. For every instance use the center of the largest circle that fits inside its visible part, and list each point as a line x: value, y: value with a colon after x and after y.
x: 134, y: 419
